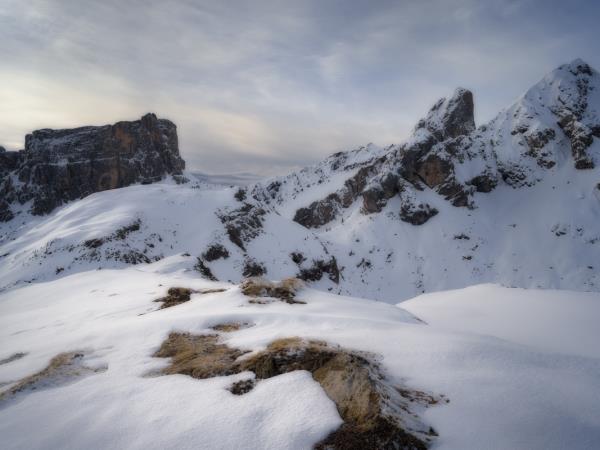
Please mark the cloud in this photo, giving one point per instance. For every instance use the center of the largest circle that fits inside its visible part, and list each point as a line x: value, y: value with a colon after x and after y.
x: 266, y: 86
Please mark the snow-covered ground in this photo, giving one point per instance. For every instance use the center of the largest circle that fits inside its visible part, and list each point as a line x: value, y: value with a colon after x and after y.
x: 518, y: 359
x: 515, y: 237
x: 519, y: 367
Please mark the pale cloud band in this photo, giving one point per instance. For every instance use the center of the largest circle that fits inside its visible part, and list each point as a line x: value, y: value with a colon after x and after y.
x: 266, y: 86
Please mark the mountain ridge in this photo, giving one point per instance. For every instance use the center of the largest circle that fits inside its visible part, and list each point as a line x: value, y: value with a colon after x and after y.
x: 454, y: 205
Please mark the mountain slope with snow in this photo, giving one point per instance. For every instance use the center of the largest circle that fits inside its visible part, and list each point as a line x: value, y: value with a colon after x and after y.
x: 515, y: 201
x: 123, y: 323
x: 512, y: 389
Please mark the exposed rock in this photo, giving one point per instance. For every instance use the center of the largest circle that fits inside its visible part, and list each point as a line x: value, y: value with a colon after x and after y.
x: 485, y: 182
x: 253, y: 268
x: 450, y: 118
x: 297, y: 257
x: 5, y: 212
x: 373, y: 200
x: 319, y: 268
x: 204, y: 270
x: 240, y: 195
x: 242, y: 387
x: 9, y: 161
x: 417, y: 215
x: 536, y: 141
x: 214, y: 252
x: 318, y: 213
x: 242, y: 224
x: 58, y: 166
x: 434, y: 170
x: 581, y: 138
x: 429, y: 158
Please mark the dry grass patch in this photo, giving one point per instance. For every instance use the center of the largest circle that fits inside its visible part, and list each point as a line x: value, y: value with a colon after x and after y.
x: 376, y: 413
x: 61, y: 369
x: 198, y: 356
x: 178, y: 295
x: 229, y: 327
x: 285, y: 290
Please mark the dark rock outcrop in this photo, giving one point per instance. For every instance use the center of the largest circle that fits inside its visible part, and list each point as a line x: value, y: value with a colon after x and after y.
x: 214, y: 252
x: 425, y: 161
x: 450, y: 118
x: 320, y: 268
x: 58, y: 166
x: 581, y: 137
x: 242, y: 224
x: 318, y: 213
x: 253, y: 268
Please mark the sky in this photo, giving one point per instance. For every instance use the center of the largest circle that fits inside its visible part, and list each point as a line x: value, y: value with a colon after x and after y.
x: 268, y: 86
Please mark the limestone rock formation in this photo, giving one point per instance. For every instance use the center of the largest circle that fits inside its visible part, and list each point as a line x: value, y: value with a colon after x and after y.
x: 556, y: 120
x: 58, y: 166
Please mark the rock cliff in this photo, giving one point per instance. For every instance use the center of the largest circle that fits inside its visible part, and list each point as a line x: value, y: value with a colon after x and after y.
x: 58, y: 166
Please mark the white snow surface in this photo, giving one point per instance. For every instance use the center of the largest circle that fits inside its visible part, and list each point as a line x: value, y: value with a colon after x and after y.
x: 518, y: 366
x: 518, y: 359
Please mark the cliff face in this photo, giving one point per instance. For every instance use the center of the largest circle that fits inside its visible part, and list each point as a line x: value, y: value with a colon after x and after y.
x: 58, y: 166
x: 555, y: 122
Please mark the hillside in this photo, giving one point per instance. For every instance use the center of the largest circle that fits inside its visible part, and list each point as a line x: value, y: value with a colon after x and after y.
x: 429, y: 294
x: 514, y: 201
x: 531, y: 387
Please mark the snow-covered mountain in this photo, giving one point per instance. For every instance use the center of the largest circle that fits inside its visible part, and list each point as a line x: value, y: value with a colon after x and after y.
x: 123, y: 322
x: 514, y: 201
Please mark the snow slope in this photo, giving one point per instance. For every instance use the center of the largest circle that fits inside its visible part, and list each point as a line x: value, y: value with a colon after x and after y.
x: 537, y: 228
x: 543, y: 236
x: 519, y: 366
x: 507, y: 388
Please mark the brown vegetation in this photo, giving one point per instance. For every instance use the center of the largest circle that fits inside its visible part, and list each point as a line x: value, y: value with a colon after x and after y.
x: 61, y: 368
x: 229, y: 327
x: 178, y: 295
x: 376, y: 414
x: 284, y: 290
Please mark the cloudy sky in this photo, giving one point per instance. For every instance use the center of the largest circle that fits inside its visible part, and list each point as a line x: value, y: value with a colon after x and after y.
x: 265, y: 86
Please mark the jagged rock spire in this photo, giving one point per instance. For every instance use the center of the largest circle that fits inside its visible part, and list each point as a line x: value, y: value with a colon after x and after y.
x: 450, y: 118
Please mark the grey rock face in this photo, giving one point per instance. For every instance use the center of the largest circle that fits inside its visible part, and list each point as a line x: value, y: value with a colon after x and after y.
x: 59, y: 166
x: 450, y: 118
x: 558, y: 116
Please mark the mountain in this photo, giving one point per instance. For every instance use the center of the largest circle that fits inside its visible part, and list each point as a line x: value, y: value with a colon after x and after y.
x: 58, y: 166
x: 513, y: 201
x: 144, y: 307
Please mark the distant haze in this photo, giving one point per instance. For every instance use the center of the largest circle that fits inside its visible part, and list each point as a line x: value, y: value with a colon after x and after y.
x: 267, y: 86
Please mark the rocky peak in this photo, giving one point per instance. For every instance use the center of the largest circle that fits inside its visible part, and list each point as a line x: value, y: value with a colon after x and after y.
x: 568, y: 90
x: 58, y: 166
x: 450, y: 118
x: 556, y: 122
